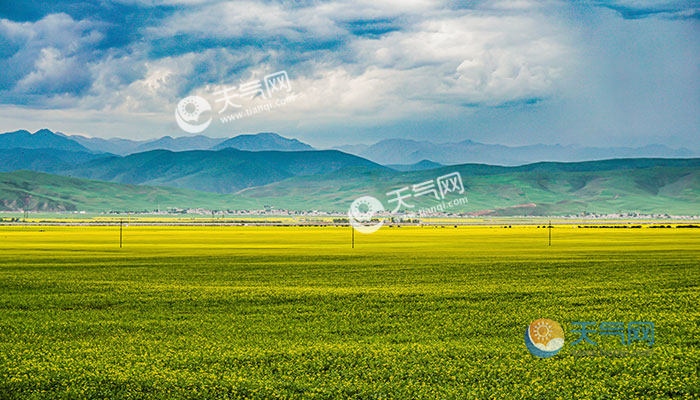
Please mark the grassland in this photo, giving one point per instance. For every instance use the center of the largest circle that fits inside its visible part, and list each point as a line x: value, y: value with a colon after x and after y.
x: 275, y: 312
x: 582, y: 187
x: 37, y: 191
x: 646, y: 186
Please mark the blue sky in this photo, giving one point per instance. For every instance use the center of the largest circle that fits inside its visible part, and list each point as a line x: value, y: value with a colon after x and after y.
x: 514, y: 72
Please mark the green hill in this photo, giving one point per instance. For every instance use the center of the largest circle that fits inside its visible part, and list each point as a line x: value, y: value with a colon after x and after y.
x: 43, y: 160
x: 636, y: 185
x: 45, y: 192
x: 610, y: 186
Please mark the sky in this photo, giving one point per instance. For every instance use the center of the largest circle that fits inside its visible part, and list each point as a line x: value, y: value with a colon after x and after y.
x: 514, y: 72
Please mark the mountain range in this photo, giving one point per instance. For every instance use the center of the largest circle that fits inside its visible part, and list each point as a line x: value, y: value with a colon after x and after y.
x: 222, y: 171
x: 405, y: 151
x: 253, y: 142
x: 41, y: 139
x: 225, y: 170
x: 399, y: 153
x: 649, y: 186
x: 53, y: 171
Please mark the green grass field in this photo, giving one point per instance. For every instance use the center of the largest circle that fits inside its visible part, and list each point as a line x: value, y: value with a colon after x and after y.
x: 431, y: 313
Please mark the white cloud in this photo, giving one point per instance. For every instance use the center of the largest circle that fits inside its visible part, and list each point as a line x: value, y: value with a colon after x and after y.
x: 246, y: 19
x: 361, y: 63
x: 437, y: 66
x: 440, y: 58
x: 49, y: 56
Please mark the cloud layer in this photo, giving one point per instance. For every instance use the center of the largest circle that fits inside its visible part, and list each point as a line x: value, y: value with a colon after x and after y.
x: 369, y: 64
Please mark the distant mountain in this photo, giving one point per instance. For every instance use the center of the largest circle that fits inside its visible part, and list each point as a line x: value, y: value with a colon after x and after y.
x: 113, y: 145
x: 265, y: 141
x: 41, y: 139
x: 36, y: 191
x: 405, y: 151
x: 353, y: 148
x: 419, y: 166
x: 43, y: 160
x: 182, y: 143
x: 401, y: 153
x: 126, y: 146
x: 223, y: 171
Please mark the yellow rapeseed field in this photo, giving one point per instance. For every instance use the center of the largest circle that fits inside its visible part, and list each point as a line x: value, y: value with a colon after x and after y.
x: 296, y: 312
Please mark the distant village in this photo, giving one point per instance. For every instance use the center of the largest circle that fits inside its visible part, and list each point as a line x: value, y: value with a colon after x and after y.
x: 306, y: 214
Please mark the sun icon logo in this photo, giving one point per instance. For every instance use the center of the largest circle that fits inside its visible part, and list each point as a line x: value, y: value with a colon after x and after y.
x: 188, y: 113
x: 361, y: 212
x: 362, y: 209
x: 543, y: 330
x: 544, y: 338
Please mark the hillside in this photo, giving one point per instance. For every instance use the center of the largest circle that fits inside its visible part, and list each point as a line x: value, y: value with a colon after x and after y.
x: 636, y: 185
x: 43, y: 160
x: 223, y: 171
x: 44, y: 192
x: 298, y: 181
x: 419, y: 166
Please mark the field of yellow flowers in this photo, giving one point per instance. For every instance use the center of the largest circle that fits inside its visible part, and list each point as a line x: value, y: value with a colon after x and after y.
x: 295, y: 312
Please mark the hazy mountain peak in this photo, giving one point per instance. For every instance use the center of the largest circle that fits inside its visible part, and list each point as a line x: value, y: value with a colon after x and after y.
x: 407, y: 152
x: 263, y: 141
x: 181, y: 143
x: 41, y: 139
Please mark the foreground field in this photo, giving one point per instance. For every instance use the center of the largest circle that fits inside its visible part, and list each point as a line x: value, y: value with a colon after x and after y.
x: 226, y: 312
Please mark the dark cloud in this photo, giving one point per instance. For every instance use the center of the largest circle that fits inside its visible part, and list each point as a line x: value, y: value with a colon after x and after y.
x: 121, y: 23
x: 636, y: 10
x: 49, y: 56
x: 371, y: 27
x: 183, y: 43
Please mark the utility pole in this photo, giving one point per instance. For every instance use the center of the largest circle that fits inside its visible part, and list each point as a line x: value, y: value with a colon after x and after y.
x: 121, y: 225
x: 550, y: 232
x: 353, y: 235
